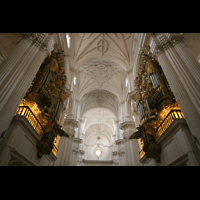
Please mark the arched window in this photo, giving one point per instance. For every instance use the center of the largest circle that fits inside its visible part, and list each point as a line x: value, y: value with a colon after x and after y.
x: 68, y: 40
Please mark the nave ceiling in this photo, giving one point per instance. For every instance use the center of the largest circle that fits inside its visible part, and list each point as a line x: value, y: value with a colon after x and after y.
x: 101, y: 60
x: 99, y: 122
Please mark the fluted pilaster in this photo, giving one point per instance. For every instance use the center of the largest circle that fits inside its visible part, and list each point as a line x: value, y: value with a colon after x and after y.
x: 182, y: 73
x: 184, y: 100
x: 17, y: 72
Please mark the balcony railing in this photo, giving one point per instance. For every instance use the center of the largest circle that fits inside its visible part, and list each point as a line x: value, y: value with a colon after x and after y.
x: 172, y: 115
x: 142, y: 153
x: 28, y: 114
x: 55, y: 150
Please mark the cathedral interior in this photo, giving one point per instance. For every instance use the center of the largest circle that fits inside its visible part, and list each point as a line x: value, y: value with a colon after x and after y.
x: 99, y: 99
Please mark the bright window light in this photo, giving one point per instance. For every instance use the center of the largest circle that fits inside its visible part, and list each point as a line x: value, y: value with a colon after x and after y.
x: 74, y: 80
x: 98, y: 152
x: 68, y: 40
x: 126, y: 82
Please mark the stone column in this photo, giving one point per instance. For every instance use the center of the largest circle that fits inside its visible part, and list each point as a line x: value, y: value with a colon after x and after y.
x: 128, y: 127
x: 135, y: 152
x: 69, y: 127
x: 117, y: 130
x: 115, y: 158
x: 62, y: 149
x: 80, y: 124
x: 191, y: 73
x: 121, y: 152
x: 75, y: 151
x: 17, y: 72
x: 181, y: 84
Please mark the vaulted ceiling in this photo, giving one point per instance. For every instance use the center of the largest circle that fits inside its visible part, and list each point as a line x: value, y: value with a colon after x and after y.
x: 100, y: 61
x: 109, y: 47
x: 99, y: 99
x: 99, y: 122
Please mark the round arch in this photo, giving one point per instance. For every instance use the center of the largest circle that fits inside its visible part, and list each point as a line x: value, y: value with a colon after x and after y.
x: 90, y: 89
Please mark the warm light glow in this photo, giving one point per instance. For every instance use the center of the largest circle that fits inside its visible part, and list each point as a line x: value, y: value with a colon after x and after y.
x: 98, y: 152
x: 164, y: 112
x: 172, y: 115
x: 36, y: 111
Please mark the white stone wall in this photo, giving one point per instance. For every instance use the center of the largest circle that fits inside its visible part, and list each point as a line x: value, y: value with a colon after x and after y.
x: 177, y: 146
x: 19, y: 146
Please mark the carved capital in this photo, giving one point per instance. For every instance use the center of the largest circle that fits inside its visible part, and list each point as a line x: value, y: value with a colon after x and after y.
x: 69, y: 126
x: 158, y: 50
x: 167, y: 44
x: 76, y: 144
x: 175, y: 39
x: 126, y: 136
x: 28, y: 36
x: 38, y: 39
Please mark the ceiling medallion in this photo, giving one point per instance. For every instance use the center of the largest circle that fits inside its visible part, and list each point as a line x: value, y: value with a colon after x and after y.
x: 102, y: 46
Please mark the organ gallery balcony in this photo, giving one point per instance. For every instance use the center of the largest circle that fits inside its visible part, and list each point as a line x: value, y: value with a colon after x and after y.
x: 171, y: 117
x: 26, y: 112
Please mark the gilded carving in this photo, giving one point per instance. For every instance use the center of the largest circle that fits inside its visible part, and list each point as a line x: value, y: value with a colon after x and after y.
x: 154, y: 99
x: 46, y: 98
